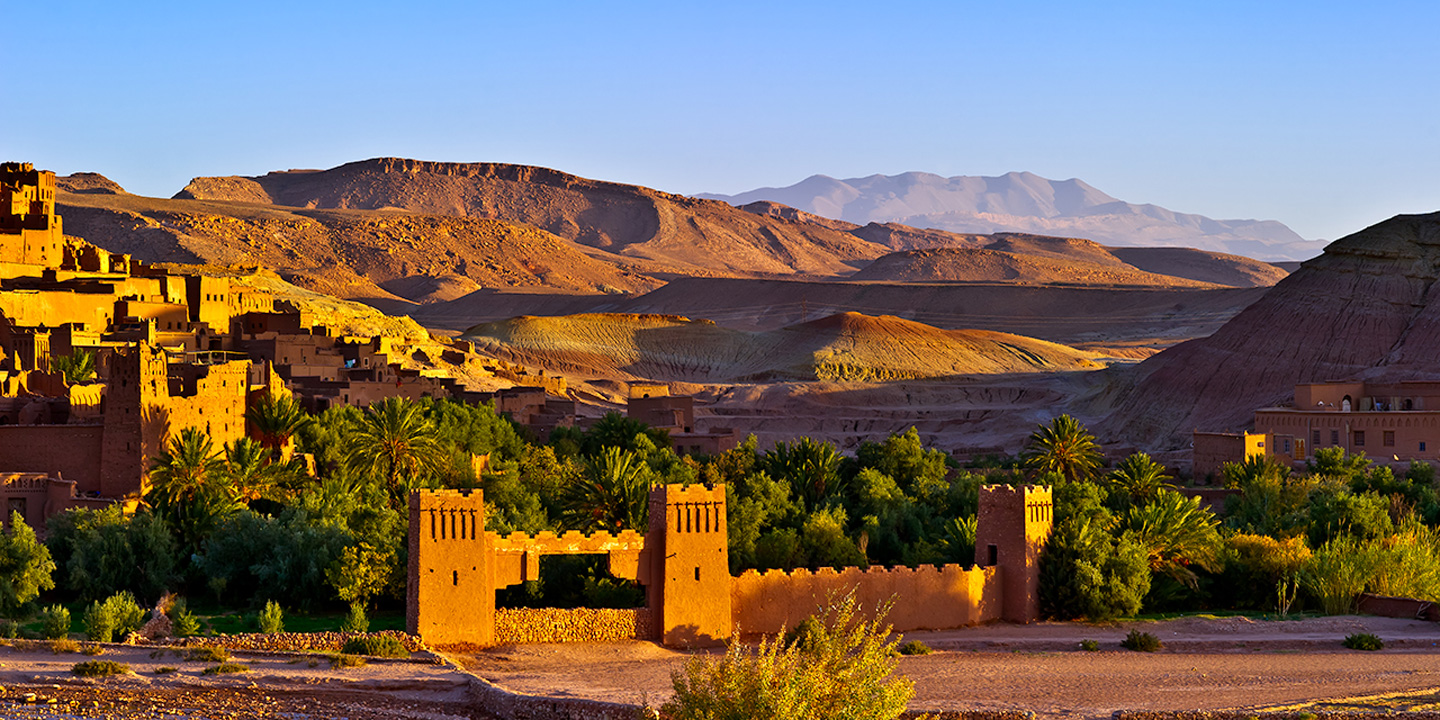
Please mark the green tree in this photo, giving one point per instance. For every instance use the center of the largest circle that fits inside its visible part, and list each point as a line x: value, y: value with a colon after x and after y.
x: 395, y: 444
x: 25, y: 567
x: 614, y: 494
x: 1064, y: 447
x: 189, y: 488
x: 102, y: 552
x: 811, y: 468
x: 77, y: 368
x: 1176, y: 533
x: 1140, y: 479
x: 274, y: 420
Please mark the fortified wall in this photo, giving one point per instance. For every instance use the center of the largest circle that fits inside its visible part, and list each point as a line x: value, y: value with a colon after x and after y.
x: 455, y: 567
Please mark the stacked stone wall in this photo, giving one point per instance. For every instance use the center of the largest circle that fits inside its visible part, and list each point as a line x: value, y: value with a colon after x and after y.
x: 515, y: 626
x: 926, y: 598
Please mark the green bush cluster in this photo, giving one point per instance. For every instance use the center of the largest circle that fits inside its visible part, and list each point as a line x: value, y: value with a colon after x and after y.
x: 1364, y: 641
x: 99, y: 668
x: 54, y: 622
x: 915, y: 647
x: 271, y: 619
x: 116, y: 617
x: 1141, y: 642
x: 376, y: 645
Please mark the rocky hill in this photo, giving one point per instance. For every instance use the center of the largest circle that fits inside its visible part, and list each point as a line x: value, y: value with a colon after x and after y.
x: 631, y: 221
x: 985, y: 265
x: 1027, y: 203
x: 381, y: 256
x: 1363, y: 309
x: 847, y: 347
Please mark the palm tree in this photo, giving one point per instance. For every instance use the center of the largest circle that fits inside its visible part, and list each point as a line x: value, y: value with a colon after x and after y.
x: 189, y: 488
x: 614, y: 494
x: 255, y: 474
x: 1064, y: 447
x: 1176, y: 533
x: 812, y: 469
x: 1140, y: 477
x: 274, y: 420
x: 395, y: 444
x: 77, y: 367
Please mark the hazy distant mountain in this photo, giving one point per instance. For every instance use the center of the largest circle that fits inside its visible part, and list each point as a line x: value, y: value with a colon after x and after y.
x: 1028, y: 203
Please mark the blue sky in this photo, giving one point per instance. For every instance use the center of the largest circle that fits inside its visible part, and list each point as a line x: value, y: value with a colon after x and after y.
x: 1321, y: 115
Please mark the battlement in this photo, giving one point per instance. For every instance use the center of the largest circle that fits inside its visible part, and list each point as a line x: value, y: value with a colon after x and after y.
x: 855, y: 572
x: 571, y: 543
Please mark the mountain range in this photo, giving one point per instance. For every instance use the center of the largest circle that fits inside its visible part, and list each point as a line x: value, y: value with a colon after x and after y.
x: 1026, y: 203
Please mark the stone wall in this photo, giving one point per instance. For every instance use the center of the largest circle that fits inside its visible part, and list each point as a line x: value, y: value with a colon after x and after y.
x: 549, y: 625
x: 933, y: 597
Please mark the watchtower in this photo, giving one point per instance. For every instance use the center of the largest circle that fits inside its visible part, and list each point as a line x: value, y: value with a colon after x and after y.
x: 689, y: 588
x: 1011, y: 530
x: 450, y: 596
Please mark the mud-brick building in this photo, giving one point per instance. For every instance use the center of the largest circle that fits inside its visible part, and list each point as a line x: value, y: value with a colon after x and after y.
x: 30, y: 231
x: 455, y: 567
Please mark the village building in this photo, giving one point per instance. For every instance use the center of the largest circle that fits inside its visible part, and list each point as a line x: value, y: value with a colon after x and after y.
x: 653, y: 405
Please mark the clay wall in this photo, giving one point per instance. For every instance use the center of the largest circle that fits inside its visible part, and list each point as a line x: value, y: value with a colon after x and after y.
x: 30, y: 231
x: 664, y: 412
x: 71, y: 452
x: 51, y: 308
x: 209, y: 299
x: 1211, y: 450
x: 925, y: 598
x: 553, y: 625
x: 168, y: 317
x: 1406, y: 435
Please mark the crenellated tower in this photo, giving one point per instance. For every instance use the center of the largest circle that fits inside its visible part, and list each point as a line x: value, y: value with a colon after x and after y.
x: 689, y: 588
x: 451, y: 595
x: 1011, y: 531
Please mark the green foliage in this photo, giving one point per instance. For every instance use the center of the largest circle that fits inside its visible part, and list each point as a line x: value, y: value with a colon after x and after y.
x: 342, y: 660
x: 1254, y: 564
x: 1336, y: 463
x: 226, y: 668
x: 207, y: 653
x: 1364, y: 641
x: 1337, y: 573
x: 1176, y: 533
x: 1064, y: 447
x: 76, y: 368
x: 841, y: 672
x: 101, y: 552
x: 915, y: 647
x: 1335, y: 510
x: 254, y: 558
x: 116, y: 617
x: 25, y: 567
x: 1271, y: 501
x: 1139, y: 479
x: 824, y: 542
x: 811, y: 468
x: 1089, y: 646
x: 190, y: 489
x: 54, y: 622
x: 183, y: 622
x: 165, y: 670
x: 99, y: 668
x: 1086, y: 569
x: 275, y: 419
x: 271, y: 619
x: 1141, y: 642
x: 613, y: 494
x: 395, y: 444
x: 377, y: 646
x: 355, y: 620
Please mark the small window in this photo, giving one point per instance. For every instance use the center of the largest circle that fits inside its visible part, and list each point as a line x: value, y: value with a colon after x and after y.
x: 455, y: 578
x: 994, y: 553
x: 697, y: 574
x: 1388, y: 438
x: 1334, y: 437
x: 1359, y: 438
x: 1315, y: 439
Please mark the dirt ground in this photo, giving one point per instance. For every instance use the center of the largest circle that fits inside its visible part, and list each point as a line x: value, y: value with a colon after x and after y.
x: 1206, y: 664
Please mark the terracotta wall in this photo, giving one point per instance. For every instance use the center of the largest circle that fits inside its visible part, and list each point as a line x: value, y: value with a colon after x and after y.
x: 928, y: 597
x: 72, y: 451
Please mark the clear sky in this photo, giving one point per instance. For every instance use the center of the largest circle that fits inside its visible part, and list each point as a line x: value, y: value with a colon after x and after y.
x: 1323, y: 115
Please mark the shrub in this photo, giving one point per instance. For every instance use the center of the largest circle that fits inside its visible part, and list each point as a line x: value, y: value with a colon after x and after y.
x: 9, y: 629
x: 1364, y: 641
x: 99, y: 668
x: 845, y: 671
x: 166, y: 670
x: 223, y: 668
x: 91, y: 650
x: 64, y: 646
x: 1141, y: 642
x: 376, y: 645
x: 118, y: 616
x: 1089, y: 645
x: 183, y: 622
x: 355, y: 621
x: 915, y: 647
x: 271, y: 620
x: 342, y: 660
x: 207, y: 653
x: 54, y: 622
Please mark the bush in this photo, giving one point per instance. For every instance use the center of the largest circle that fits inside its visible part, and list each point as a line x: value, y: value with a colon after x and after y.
x: 342, y: 660
x: 99, y: 668
x: 64, y: 646
x: 844, y: 672
x: 377, y: 646
x: 355, y: 621
x: 1364, y: 641
x: 115, y: 618
x: 91, y: 650
x: 166, y: 670
x: 1089, y: 645
x: 271, y: 620
x: 224, y: 668
x: 54, y: 622
x: 183, y: 622
x: 1141, y: 642
x: 206, y: 653
x: 915, y: 647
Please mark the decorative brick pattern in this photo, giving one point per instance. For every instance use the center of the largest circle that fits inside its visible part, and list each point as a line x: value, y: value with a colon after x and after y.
x: 515, y: 626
